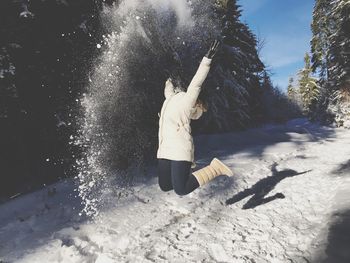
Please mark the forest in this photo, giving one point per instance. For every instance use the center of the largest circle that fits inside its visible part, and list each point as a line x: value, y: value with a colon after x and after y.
x: 103, y: 160
x: 78, y: 98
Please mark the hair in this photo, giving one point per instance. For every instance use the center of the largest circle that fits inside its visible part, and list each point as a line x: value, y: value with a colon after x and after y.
x: 177, y: 80
x: 203, y: 97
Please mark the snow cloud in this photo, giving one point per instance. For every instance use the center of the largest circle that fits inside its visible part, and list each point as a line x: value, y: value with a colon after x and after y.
x: 113, y: 136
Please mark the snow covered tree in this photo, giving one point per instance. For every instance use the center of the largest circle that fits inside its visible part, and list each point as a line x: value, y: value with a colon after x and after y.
x: 339, y: 49
x: 330, y: 47
x: 276, y: 105
x: 290, y: 89
x: 240, y: 61
x: 44, y: 63
x: 293, y: 93
x: 294, y: 96
x: 339, y: 72
x: 321, y: 29
x: 308, y: 86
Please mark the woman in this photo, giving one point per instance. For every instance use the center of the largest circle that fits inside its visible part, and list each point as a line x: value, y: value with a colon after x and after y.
x: 176, y: 150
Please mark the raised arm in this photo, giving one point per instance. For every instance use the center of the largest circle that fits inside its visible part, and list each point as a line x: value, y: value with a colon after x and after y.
x: 195, y: 86
x: 202, y: 72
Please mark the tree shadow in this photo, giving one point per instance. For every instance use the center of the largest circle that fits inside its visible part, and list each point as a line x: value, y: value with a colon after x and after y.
x: 255, y: 142
x: 343, y: 169
x: 263, y: 187
x: 337, y: 250
x: 29, y: 221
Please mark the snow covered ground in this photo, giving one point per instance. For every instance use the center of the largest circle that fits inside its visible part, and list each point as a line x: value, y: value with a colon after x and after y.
x: 288, y: 202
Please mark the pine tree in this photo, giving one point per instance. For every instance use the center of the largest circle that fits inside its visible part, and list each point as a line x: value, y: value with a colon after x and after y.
x: 277, y: 106
x: 340, y: 46
x: 330, y: 47
x: 321, y: 29
x: 242, y: 62
x: 291, y: 90
x: 308, y: 86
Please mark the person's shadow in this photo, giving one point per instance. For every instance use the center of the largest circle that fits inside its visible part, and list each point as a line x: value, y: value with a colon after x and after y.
x: 263, y: 187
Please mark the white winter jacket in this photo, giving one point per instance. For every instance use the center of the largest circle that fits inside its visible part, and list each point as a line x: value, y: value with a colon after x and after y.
x: 175, y: 139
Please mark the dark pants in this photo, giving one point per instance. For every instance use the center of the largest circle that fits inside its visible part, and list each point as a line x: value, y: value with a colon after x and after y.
x: 176, y: 175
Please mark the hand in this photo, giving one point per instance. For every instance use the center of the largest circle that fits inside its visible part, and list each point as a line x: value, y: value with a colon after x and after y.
x: 214, y: 47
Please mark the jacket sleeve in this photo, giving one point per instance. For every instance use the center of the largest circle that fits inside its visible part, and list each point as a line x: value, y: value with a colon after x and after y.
x: 195, y: 86
x: 169, y: 89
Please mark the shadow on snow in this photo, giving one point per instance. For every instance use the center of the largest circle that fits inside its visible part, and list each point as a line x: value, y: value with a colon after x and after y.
x: 337, y: 250
x: 254, y: 142
x: 343, y: 169
x: 31, y: 220
x: 263, y: 187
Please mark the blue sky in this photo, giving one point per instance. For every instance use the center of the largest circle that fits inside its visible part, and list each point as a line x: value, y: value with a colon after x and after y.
x: 285, y: 27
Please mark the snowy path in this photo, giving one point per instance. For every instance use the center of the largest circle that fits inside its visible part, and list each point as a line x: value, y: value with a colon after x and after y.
x: 310, y: 224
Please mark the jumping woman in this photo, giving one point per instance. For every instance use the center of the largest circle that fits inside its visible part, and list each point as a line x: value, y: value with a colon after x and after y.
x: 176, y: 149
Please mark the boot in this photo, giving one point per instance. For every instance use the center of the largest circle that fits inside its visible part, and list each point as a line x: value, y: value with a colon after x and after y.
x: 214, y: 169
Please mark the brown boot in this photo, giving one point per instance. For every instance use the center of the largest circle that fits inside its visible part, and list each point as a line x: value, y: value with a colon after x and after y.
x: 214, y: 169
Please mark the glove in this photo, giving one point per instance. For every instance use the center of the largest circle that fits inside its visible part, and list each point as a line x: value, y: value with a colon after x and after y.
x: 213, y: 49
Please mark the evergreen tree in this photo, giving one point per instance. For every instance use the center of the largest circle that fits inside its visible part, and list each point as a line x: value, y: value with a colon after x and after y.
x: 290, y: 89
x: 277, y: 106
x: 294, y: 95
x: 321, y: 29
x: 330, y: 47
x: 340, y: 46
x: 44, y: 63
x: 308, y: 86
x: 240, y: 59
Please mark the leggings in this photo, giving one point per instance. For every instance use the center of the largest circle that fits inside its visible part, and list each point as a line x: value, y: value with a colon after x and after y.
x: 176, y: 175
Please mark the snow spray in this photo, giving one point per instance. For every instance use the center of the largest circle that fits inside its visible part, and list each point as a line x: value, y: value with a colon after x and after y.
x: 149, y: 41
